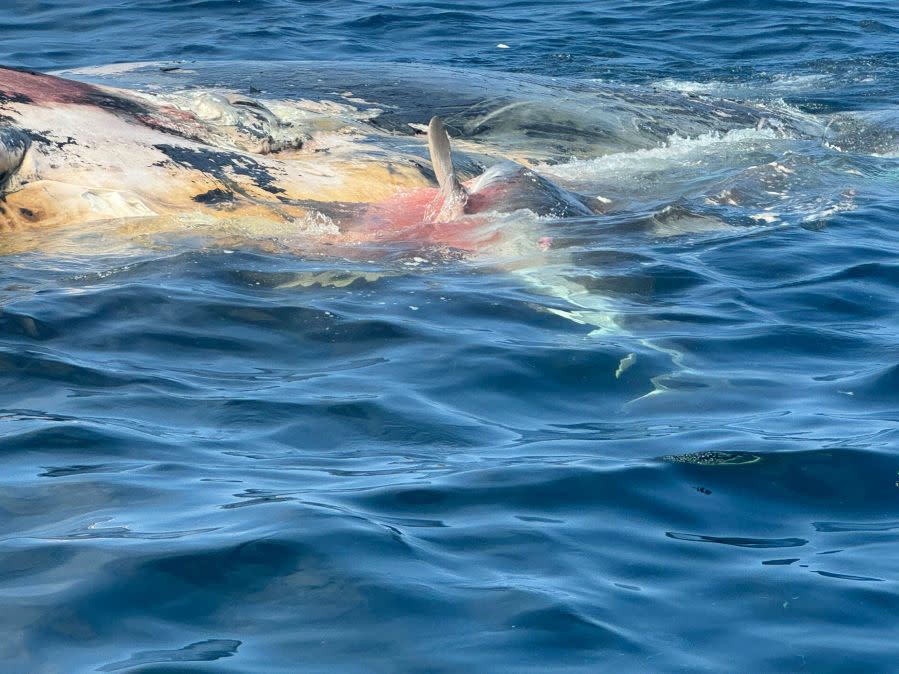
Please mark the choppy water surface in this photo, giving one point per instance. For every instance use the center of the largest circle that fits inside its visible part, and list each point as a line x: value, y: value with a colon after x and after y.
x: 669, y: 444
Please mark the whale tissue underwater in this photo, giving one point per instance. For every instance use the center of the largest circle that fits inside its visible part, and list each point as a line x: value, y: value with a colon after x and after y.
x: 449, y: 336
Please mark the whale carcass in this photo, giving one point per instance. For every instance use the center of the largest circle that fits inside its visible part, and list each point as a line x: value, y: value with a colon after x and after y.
x: 79, y: 152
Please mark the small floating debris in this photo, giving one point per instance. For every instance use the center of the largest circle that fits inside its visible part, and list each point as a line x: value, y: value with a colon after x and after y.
x: 625, y: 364
x: 177, y: 70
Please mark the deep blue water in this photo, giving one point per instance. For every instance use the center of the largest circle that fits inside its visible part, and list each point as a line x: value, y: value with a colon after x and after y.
x: 247, y: 459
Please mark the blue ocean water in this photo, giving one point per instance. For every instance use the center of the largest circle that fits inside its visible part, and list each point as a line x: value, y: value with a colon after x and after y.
x: 242, y: 458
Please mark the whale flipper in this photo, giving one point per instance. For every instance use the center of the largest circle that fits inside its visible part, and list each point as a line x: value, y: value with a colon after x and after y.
x: 454, y: 195
x: 442, y: 158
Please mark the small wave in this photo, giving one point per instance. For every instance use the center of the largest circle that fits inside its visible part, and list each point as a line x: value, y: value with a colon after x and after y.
x: 739, y: 541
x: 775, y: 85
x: 677, y: 149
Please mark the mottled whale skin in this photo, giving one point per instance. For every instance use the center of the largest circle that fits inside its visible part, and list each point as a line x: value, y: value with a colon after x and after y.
x: 76, y: 152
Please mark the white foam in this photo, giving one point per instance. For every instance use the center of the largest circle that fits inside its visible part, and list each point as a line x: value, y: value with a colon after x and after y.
x: 111, y: 68
x: 689, y: 86
x: 777, y: 85
x: 676, y: 149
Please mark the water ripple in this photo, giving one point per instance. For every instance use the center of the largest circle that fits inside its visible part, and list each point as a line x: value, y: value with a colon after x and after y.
x: 250, y: 459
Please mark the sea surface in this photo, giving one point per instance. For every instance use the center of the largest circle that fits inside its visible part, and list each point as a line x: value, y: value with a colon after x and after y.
x: 672, y: 445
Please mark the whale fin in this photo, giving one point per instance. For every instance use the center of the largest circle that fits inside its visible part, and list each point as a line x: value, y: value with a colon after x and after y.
x: 441, y: 157
x: 454, y: 195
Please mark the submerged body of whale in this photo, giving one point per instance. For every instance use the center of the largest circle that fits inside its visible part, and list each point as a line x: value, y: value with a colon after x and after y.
x: 509, y: 187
